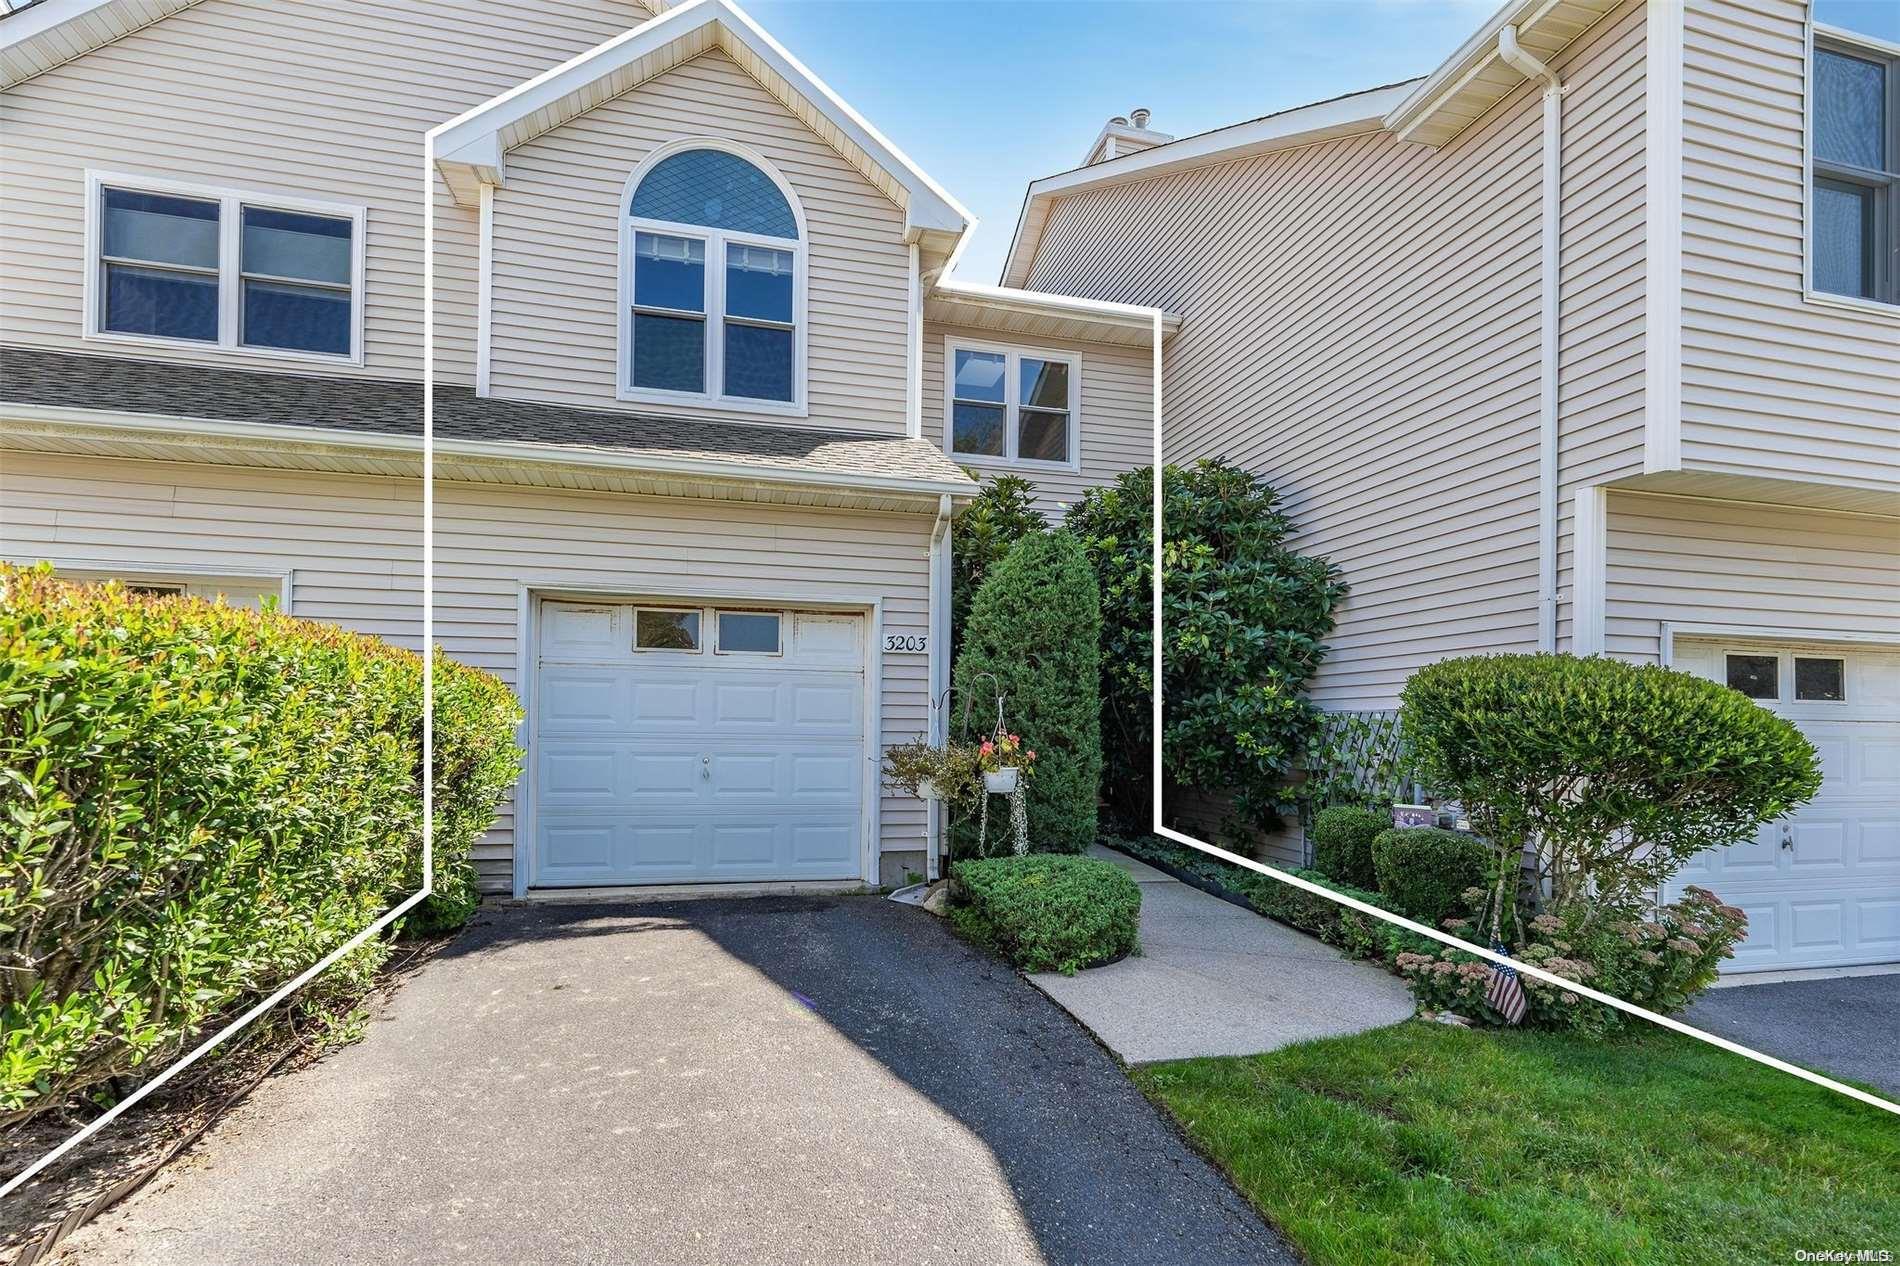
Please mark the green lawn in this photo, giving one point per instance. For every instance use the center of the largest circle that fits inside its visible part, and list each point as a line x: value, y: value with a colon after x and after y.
x: 1423, y: 1143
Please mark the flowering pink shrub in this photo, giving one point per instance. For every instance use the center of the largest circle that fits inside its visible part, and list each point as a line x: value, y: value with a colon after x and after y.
x: 1660, y: 963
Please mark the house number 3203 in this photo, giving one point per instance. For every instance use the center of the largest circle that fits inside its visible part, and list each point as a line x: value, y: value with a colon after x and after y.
x: 908, y: 643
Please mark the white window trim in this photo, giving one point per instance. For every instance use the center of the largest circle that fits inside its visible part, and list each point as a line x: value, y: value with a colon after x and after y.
x: 784, y: 621
x: 1012, y: 388
x: 230, y: 262
x: 699, y: 647
x: 713, y: 399
x: 1824, y: 298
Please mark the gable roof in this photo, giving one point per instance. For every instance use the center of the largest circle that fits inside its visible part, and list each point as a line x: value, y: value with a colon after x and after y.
x: 1432, y: 110
x: 471, y: 149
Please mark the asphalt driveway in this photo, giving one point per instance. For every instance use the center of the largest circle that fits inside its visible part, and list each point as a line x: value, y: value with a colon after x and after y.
x: 1844, y: 1026
x: 812, y: 1080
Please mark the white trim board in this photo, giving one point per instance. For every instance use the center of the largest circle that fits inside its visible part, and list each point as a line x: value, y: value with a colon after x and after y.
x: 1589, y: 550
x: 1662, y: 215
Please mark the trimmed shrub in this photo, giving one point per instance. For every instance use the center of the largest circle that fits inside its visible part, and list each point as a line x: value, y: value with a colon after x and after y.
x: 200, y: 802
x: 1427, y: 872
x: 1342, y: 843
x: 1033, y: 639
x: 1619, y: 773
x: 1002, y: 513
x: 1245, y: 620
x: 476, y: 763
x: 1047, y: 913
x: 1115, y: 525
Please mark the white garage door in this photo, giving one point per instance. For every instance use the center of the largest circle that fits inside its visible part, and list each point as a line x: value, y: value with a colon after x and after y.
x: 682, y: 744
x: 1822, y: 886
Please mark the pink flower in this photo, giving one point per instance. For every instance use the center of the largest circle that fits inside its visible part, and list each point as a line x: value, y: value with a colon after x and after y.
x: 1031, y: 753
x: 987, y: 747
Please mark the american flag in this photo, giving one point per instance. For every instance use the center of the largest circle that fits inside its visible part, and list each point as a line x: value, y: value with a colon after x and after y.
x: 1505, y: 993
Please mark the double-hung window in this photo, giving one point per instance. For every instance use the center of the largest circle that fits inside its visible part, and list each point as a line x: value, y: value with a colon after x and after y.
x: 1011, y: 406
x: 172, y: 262
x: 714, y: 281
x: 1854, y: 213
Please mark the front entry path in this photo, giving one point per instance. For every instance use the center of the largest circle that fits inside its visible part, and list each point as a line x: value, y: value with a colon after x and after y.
x: 795, y: 1080
x: 1215, y: 979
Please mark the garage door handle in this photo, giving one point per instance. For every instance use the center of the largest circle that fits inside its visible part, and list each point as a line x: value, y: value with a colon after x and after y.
x: 705, y: 768
x: 1787, y: 837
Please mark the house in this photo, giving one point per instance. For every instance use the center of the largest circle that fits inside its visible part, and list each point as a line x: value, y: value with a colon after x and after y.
x: 679, y: 318
x: 1588, y: 340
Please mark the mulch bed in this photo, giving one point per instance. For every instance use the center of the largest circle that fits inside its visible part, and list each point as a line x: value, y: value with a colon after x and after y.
x: 127, y: 1154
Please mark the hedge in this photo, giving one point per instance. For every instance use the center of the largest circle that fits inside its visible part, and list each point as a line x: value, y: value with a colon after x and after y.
x: 1049, y: 912
x: 1034, y: 638
x: 1427, y: 871
x: 200, y: 802
x: 1342, y: 842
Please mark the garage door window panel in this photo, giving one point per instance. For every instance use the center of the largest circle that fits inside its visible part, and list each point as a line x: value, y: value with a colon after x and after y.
x: 1820, y: 680
x: 663, y: 630
x: 750, y: 633
x: 1757, y: 676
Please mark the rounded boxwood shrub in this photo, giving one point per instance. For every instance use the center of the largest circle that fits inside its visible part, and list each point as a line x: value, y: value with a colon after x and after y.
x: 200, y: 802
x: 1049, y: 913
x: 1618, y: 773
x: 1342, y: 843
x: 1034, y: 638
x: 1427, y: 871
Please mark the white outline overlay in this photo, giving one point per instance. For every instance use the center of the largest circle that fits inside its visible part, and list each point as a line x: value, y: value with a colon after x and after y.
x: 1734, y: 1048
x: 428, y: 734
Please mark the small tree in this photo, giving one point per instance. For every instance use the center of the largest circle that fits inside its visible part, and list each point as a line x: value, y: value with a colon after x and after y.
x: 1033, y: 638
x: 1243, y: 618
x: 1618, y: 774
x: 1003, y: 513
x: 1115, y: 526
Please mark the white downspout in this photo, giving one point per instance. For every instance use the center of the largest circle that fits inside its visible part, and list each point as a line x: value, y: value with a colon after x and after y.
x: 1513, y: 55
x: 938, y: 674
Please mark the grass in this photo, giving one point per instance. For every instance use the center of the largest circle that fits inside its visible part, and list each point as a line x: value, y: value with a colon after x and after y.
x: 1425, y: 1143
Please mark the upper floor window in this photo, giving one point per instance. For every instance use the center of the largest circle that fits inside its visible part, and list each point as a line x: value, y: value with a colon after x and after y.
x: 228, y: 270
x: 1856, y: 170
x: 1012, y: 405
x: 713, y: 281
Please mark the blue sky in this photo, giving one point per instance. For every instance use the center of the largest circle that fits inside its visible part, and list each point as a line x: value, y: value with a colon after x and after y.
x: 987, y: 95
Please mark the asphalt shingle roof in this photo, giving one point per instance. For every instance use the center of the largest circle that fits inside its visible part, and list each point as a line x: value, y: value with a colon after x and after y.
x: 33, y: 376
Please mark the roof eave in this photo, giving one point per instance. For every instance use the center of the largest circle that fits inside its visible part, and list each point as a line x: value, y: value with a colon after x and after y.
x: 251, y: 434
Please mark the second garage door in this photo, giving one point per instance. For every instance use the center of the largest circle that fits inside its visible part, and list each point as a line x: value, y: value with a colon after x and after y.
x: 692, y: 744
x: 1821, y: 887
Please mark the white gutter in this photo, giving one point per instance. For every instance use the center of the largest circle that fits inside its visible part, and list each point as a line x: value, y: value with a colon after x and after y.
x: 500, y: 450
x: 938, y: 675
x: 1514, y: 56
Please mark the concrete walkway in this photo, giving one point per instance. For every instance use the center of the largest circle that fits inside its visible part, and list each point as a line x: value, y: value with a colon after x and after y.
x: 1214, y: 979
x: 773, y: 1080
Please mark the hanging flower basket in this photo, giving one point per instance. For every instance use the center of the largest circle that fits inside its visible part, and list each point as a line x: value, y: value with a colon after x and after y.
x: 1001, y: 781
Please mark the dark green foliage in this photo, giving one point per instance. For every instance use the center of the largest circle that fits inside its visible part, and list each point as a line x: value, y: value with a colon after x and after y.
x: 1620, y: 773
x: 476, y: 763
x: 996, y: 518
x: 1428, y: 873
x: 1048, y: 913
x: 1033, y: 637
x: 1342, y: 843
x: 200, y: 802
x: 1244, y: 619
x: 1115, y: 525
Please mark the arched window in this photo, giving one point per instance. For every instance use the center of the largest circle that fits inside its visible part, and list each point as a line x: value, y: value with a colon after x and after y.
x: 714, y: 277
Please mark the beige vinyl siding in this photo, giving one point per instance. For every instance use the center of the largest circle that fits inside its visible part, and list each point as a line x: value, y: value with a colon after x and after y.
x: 1600, y: 389
x: 557, y: 234
x: 1771, y: 384
x: 1117, y: 413
x: 352, y: 546
x: 1361, y: 328
x: 327, y: 101
x: 1737, y: 565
